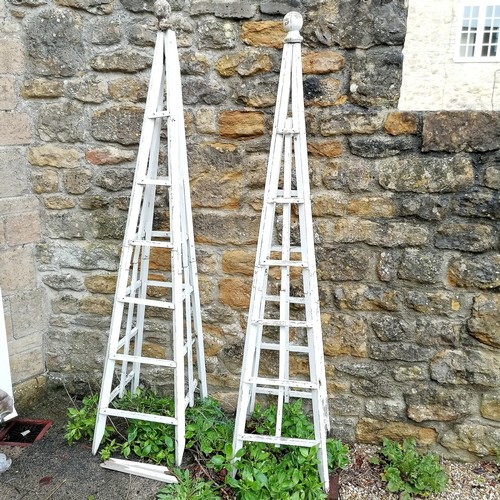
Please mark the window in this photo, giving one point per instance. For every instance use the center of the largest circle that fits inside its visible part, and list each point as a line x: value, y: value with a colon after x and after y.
x: 478, y: 31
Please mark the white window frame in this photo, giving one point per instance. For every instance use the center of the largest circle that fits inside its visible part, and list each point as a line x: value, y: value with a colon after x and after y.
x: 477, y: 44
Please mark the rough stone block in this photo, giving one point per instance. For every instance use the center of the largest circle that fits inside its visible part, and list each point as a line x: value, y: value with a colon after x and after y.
x: 433, y: 332
x: 63, y: 281
x: 51, y: 155
x: 245, y: 63
x: 241, y: 124
x: 42, y: 88
x: 44, y: 181
x: 370, y: 430
x: 421, y: 266
x: 54, y: 42
x: 322, y: 92
x: 194, y: 63
x: 475, y: 271
x: 90, y: 89
x: 427, y: 402
x: 106, y: 31
x: 342, y: 263
x: 386, y: 409
x: 438, y: 302
x: 235, y: 292
x: 381, y: 386
x: 376, y: 76
x: 477, y: 203
x: 217, y: 35
x: 455, y: 131
x: 99, y: 7
x: 331, y: 203
x: 350, y: 120
x: 362, y: 297
x: 344, y: 335
x: 116, y: 180
x: 387, y: 265
x: 101, y: 283
x: 397, y: 123
x: 327, y: 149
x: 318, y: 63
x: 279, y: 6
x: 475, y: 437
x: 139, y: 5
x: 400, y: 234
x: 345, y: 405
x: 63, y: 122
x: 371, y: 206
x: 198, y: 89
x: 67, y: 225
x: 381, y: 146
x: 259, y: 93
x: 12, y: 167
x: 426, y: 207
x: 399, y: 351
x: 238, y: 262
x: 58, y: 202
x: 392, y: 329
x: 109, y: 156
x: 353, y: 229
x: 93, y: 304
x: 223, y: 191
x: 465, y: 237
x: 225, y: 228
x: 463, y: 367
x: 124, y: 61
x: 363, y: 369
x: 484, y: 323
x: 15, y: 128
x: 17, y: 269
x: 492, y: 177
x: 362, y: 24
x: 263, y: 34
x: 22, y: 228
x: 130, y: 89
x: 120, y: 124
x: 410, y: 373
x: 79, y: 255
x: 490, y: 405
x: 8, y: 96
x: 77, y: 180
x: 426, y: 175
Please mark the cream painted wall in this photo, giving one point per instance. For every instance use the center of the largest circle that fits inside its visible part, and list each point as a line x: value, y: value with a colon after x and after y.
x: 431, y: 79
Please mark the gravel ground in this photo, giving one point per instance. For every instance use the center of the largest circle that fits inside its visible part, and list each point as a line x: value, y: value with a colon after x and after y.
x: 466, y: 481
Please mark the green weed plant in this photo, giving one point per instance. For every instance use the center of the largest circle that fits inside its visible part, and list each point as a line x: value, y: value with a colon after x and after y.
x: 408, y: 472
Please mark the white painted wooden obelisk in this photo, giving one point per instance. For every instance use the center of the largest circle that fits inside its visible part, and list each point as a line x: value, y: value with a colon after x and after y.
x: 172, y: 294
x: 284, y: 314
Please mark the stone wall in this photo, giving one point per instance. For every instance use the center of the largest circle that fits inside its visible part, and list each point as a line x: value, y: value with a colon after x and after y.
x: 406, y: 204
x: 25, y: 299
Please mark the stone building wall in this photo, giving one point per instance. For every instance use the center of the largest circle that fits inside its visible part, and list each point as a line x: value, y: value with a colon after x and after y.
x: 406, y: 204
x: 25, y: 298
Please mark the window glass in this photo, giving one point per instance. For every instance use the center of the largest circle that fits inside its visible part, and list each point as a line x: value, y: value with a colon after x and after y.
x: 479, y: 28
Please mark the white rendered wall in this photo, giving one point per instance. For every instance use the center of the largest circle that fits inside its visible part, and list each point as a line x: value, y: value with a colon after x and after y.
x: 431, y: 79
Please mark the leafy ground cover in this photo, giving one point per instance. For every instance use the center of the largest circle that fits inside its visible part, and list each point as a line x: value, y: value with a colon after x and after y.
x: 262, y: 471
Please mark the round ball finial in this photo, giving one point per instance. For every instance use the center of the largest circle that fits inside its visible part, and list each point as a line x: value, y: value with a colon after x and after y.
x: 293, y: 23
x: 162, y: 12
